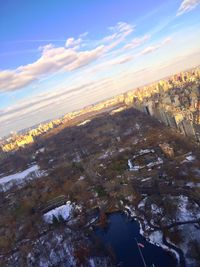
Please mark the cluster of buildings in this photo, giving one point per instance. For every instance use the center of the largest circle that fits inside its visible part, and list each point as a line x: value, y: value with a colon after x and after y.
x: 112, y: 102
x: 17, y: 141
x: 174, y: 101
x: 20, y: 140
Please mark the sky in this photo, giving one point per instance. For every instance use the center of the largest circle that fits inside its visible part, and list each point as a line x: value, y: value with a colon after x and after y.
x: 57, y: 56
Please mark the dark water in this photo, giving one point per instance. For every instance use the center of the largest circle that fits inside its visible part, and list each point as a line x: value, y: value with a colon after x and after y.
x: 120, y: 235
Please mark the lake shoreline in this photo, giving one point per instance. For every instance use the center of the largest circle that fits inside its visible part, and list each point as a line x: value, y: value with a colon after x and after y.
x: 132, y: 218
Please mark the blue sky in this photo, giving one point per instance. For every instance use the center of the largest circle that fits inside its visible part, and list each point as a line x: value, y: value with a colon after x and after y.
x: 57, y: 55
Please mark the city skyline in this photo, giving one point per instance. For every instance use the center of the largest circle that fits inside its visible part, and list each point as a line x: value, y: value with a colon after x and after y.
x: 87, y: 55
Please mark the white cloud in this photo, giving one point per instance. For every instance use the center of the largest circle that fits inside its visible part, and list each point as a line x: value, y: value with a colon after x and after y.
x: 73, y: 43
x: 121, y: 28
x: 151, y: 49
x: 67, y: 58
x: 93, y: 83
x: 39, y: 108
x: 85, y: 58
x: 124, y: 60
x: 13, y: 80
x: 187, y: 5
x: 52, y: 60
x: 120, y: 32
x: 137, y: 42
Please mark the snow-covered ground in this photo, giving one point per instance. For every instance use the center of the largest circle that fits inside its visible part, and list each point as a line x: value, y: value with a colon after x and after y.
x: 130, y: 211
x: 81, y: 178
x: 106, y: 154
x: 144, y: 152
x: 137, y: 126
x: 155, y: 209
x: 141, y: 205
x: 146, y: 179
x: 153, y: 236
x: 190, y: 238
x: 7, y: 182
x: 41, y: 150
x: 190, y: 158
x: 84, y: 122
x: 57, y: 248
x: 193, y: 184
x: 134, y: 167
x: 187, y: 210
x: 154, y: 163
x: 64, y: 211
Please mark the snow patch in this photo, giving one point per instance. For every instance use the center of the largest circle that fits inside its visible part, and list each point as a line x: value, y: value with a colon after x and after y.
x: 81, y: 178
x: 186, y: 213
x: 64, y: 211
x: 190, y: 158
x: 91, y: 262
x: 155, y: 238
x: 132, y: 167
x: 155, y: 209
x: 141, y: 205
x: 193, y: 185
x: 143, y: 152
x: 146, y: 179
x: 130, y: 211
x: 106, y: 155
x: 7, y: 182
x: 137, y: 126
x: 41, y: 150
x: 84, y: 122
x: 158, y: 162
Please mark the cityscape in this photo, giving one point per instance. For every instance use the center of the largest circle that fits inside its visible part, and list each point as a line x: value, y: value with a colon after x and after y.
x: 100, y: 133
x: 175, y: 101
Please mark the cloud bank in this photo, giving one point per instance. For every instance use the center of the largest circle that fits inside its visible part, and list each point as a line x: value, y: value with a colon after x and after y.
x: 67, y: 58
x: 151, y: 49
x: 109, y: 66
x: 187, y: 5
